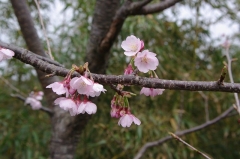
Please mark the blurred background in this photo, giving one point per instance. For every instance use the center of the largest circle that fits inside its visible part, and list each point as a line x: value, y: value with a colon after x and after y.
x: 187, y: 39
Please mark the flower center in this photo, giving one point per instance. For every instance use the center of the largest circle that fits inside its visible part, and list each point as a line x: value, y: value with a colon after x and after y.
x: 133, y: 47
x: 144, y: 59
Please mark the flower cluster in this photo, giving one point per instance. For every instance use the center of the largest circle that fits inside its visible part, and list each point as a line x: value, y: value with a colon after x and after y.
x: 77, y: 90
x: 144, y: 60
x: 34, y: 99
x: 5, y: 54
x: 121, y: 110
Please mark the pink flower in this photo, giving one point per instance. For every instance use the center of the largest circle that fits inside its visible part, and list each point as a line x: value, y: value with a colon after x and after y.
x: 151, y: 91
x: 128, y: 70
x: 127, y: 119
x: 62, y: 87
x: 115, y: 111
x: 82, y: 84
x: 97, y: 89
x: 146, y: 61
x: 39, y: 95
x: 132, y: 45
x: 88, y: 107
x: 142, y: 45
x: 6, y: 54
x: 66, y: 103
x: 35, y: 104
x: 58, y: 88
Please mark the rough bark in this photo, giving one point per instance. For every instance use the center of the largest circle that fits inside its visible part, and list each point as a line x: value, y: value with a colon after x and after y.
x: 104, y: 13
x: 50, y: 67
x: 61, y: 146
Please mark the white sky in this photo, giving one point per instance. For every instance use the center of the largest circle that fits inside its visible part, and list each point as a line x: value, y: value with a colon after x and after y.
x: 224, y: 27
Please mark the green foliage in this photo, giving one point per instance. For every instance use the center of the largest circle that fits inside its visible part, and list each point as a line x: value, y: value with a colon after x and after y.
x: 185, y: 50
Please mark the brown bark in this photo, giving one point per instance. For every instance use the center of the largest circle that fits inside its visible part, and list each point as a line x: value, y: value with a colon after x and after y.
x: 61, y: 146
x: 104, y: 13
x: 41, y: 64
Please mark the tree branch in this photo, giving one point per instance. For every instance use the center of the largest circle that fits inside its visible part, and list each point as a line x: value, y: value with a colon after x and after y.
x: 44, y: 109
x: 116, y: 25
x: 187, y: 144
x: 184, y: 132
x: 29, y: 58
x: 130, y: 8
x: 155, y: 8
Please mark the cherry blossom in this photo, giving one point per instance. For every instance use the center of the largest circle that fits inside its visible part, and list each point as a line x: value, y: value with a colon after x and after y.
x: 88, y: 107
x: 62, y: 87
x: 58, y: 88
x: 127, y: 119
x: 67, y: 104
x: 151, y: 91
x: 38, y: 95
x: 96, y: 90
x: 6, y: 54
x: 35, y: 104
x: 132, y: 45
x: 86, y: 86
x: 82, y: 84
x: 146, y: 61
x: 34, y: 99
x: 115, y: 111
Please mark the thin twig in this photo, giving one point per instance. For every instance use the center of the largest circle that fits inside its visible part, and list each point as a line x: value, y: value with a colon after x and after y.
x: 45, y: 109
x: 184, y: 132
x: 44, y: 29
x: 12, y: 86
x: 155, y: 8
x: 22, y: 50
x: 231, y: 76
x: 185, y: 143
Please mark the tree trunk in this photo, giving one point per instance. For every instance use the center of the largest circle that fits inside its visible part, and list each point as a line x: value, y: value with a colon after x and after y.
x: 66, y: 129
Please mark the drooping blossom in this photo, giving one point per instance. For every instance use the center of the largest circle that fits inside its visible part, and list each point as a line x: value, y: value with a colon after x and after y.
x: 86, y: 86
x: 67, y: 104
x: 34, y: 99
x: 82, y: 84
x: 146, y: 61
x: 58, y: 88
x: 88, y: 107
x: 62, y: 87
x: 132, y: 45
x: 97, y: 89
x: 38, y: 95
x: 34, y: 103
x: 151, y: 91
x: 127, y: 119
x: 128, y: 70
x: 115, y: 111
x: 6, y: 54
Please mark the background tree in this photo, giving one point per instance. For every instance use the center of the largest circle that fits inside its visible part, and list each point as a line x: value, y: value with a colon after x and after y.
x: 93, y: 32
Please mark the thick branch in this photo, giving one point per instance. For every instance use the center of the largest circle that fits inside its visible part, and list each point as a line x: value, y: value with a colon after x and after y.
x: 97, y: 52
x: 29, y: 58
x: 61, y: 145
x: 184, y: 132
x: 155, y: 8
x: 130, y: 8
